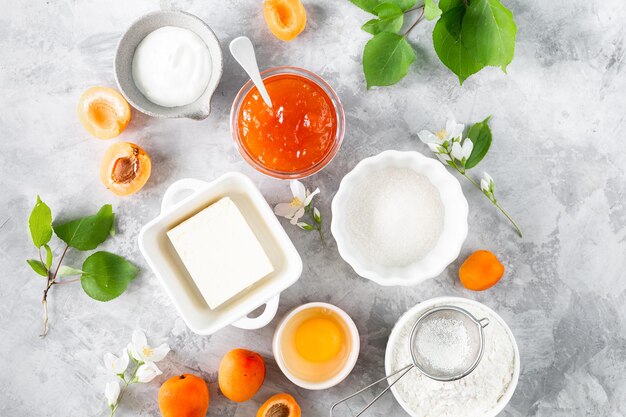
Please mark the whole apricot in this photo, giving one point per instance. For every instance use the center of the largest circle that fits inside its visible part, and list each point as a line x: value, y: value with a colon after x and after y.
x: 480, y: 271
x: 125, y: 168
x: 103, y: 112
x: 184, y: 396
x: 241, y: 374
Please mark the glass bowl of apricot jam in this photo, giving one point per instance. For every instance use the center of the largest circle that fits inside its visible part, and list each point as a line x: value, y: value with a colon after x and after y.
x: 296, y: 137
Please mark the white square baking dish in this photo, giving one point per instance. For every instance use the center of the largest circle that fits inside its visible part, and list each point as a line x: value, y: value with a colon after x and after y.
x: 169, y: 269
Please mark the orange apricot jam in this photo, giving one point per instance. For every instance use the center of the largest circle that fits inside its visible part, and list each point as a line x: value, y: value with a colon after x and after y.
x: 295, y: 134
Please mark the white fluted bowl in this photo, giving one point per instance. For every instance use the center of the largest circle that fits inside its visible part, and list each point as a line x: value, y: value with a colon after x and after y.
x: 453, y: 234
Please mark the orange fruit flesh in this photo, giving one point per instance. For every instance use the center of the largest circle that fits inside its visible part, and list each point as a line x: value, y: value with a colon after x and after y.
x: 103, y: 112
x: 125, y: 168
x: 286, y: 19
x: 280, y: 405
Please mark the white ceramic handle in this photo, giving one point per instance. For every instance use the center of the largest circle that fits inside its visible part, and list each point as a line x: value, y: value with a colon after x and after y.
x: 172, y: 194
x: 242, y: 50
x: 247, y: 323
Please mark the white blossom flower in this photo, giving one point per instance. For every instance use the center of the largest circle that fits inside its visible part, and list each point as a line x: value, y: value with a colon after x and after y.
x: 141, y: 351
x: 486, y: 183
x: 147, y: 372
x: 295, y: 209
x: 112, y: 392
x: 462, y: 152
x: 116, y: 364
x: 452, y: 131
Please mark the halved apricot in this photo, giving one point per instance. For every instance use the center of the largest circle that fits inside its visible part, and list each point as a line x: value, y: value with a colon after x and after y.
x: 280, y: 405
x: 125, y: 168
x: 104, y: 112
x: 286, y: 19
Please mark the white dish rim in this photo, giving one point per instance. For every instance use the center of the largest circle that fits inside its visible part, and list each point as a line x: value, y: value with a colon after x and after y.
x: 508, y: 394
x: 352, y: 357
x: 452, y: 237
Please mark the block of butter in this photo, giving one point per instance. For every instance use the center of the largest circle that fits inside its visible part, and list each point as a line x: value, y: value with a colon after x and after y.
x: 220, y: 251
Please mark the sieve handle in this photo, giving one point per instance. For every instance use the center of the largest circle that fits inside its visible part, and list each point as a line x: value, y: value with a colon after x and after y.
x: 483, y: 322
x: 403, y: 371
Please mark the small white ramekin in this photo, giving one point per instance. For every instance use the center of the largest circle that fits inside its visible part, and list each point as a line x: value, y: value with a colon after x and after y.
x: 452, y: 237
x: 352, y: 357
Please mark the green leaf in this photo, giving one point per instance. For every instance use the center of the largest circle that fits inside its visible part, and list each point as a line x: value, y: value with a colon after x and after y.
x: 431, y: 10
x: 449, y: 44
x: 65, y: 271
x: 88, y: 232
x: 370, y: 5
x: 446, y: 5
x: 48, y: 256
x: 489, y: 32
x: 40, y: 223
x: 113, y: 230
x: 386, y: 59
x: 38, y: 267
x: 390, y: 19
x: 106, y: 275
x: 480, y: 134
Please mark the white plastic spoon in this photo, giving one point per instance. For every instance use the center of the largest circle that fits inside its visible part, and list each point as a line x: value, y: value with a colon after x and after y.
x: 242, y: 50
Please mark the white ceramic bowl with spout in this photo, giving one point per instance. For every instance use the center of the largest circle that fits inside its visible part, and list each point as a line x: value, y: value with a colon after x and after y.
x: 446, y: 249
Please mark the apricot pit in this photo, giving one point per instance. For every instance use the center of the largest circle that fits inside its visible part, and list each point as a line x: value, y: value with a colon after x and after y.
x: 125, y: 168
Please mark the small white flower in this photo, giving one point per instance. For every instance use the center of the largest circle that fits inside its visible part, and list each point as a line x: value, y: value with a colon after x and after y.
x: 112, y: 392
x: 147, y: 372
x: 141, y: 351
x: 453, y: 130
x: 295, y: 209
x: 443, y: 157
x: 116, y: 364
x: 486, y: 183
x: 462, y: 152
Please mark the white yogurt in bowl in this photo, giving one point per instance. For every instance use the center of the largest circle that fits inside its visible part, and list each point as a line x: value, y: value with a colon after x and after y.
x: 172, y: 66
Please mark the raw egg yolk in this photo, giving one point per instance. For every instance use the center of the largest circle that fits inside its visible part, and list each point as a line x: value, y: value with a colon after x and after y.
x: 319, y: 339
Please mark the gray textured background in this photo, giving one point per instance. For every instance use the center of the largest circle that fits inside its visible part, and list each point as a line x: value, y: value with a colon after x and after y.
x: 557, y: 157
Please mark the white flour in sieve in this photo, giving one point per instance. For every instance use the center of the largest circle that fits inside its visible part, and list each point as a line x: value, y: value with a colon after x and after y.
x: 395, y: 216
x: 444, y: 343
x: 472, y: 396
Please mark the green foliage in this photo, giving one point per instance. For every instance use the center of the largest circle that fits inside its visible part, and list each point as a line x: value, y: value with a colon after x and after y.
x: 88, y: 232
x: 386, y: 59
x: 106, y: 275
x: 48, y: 256
x: 38, y: 267
x: 468, y: 36
x: 480, y: 134
x: 40, y: 223
x: 65, y: 271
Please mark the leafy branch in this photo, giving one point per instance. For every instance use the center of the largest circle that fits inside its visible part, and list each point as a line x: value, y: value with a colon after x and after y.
x: 469, y: 35
x: 103, y: 275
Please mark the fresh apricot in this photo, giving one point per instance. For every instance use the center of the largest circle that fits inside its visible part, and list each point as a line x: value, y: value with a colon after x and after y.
x: 184, y: 396
x: 125, y: 168
x: 286, y: 19
x: 104, y: 112
x: 480, y: 271
x: 241, y: 374
x: 279, y: 405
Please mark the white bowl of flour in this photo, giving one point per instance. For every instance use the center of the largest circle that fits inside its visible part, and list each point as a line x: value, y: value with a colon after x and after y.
x: 399, y: 218
x: 483, y: 393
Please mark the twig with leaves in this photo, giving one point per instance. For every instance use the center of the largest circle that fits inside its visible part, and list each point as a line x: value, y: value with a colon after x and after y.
x: 103, y: 275
x: 301, y: 206
x: 463, y: 154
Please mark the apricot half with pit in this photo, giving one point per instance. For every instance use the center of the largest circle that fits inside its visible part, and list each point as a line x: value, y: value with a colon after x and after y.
x: 103, y: 112
x: 125, y: 168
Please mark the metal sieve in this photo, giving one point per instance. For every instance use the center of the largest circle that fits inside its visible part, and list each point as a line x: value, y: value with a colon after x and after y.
x: 474, y: 338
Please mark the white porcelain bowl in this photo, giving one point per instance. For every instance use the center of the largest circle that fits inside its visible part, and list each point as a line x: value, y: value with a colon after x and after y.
x: 352, y: 357
x: 461, y: 302
x: 446, y: 249
x: 171, y: 272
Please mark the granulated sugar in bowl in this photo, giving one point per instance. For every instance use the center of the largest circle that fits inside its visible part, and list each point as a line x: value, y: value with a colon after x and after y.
x: 399, y: 218
x: 482, y: 393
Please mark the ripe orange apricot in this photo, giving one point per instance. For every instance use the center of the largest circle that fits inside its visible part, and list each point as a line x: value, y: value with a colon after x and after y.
x: 125, y: 168
x: 480, y: 271
x: 104, y: 112
x: 286, y: 19
x: 184, y: 396
x: 241, y: 374
x: 279, y: 405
